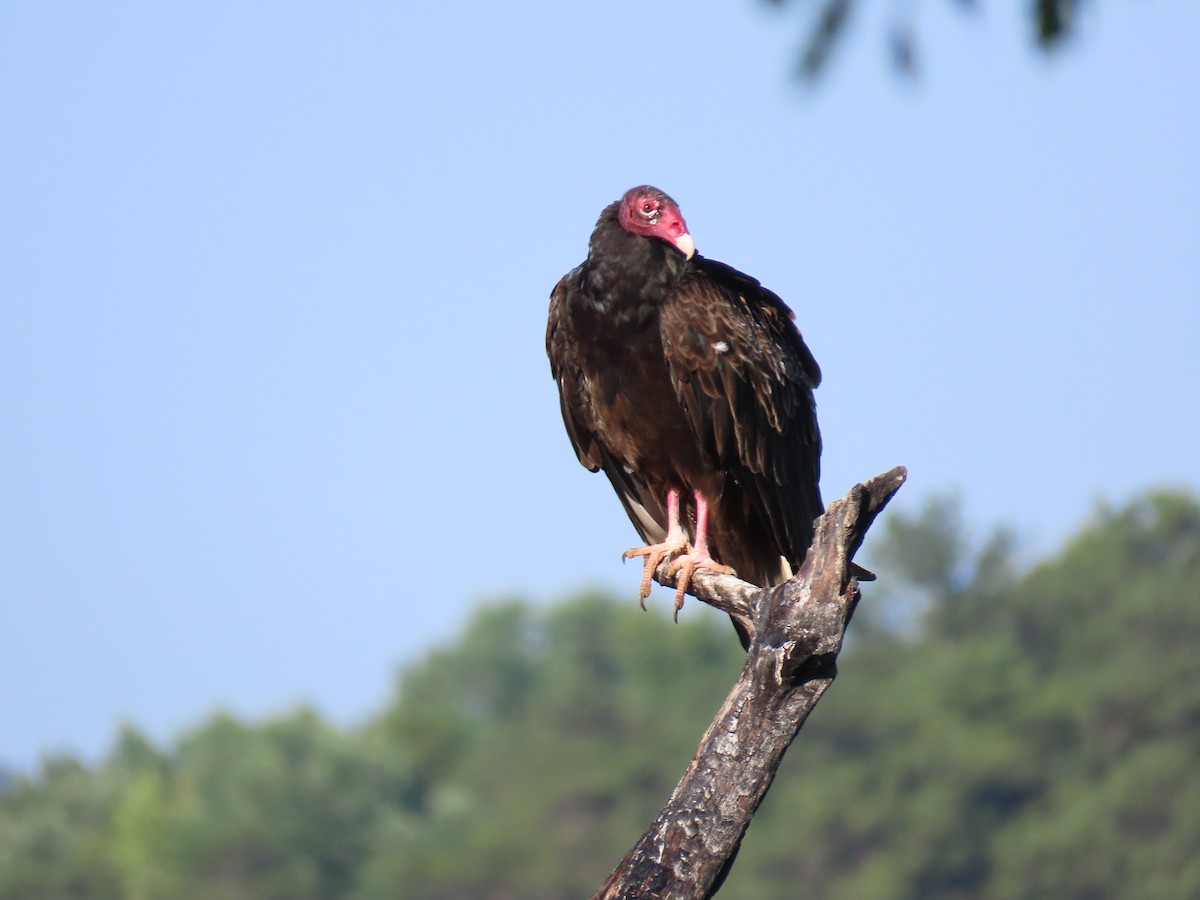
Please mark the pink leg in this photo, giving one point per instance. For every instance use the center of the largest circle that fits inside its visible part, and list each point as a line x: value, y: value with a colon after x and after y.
x: 701, y: 548
x: 674, y: 529
x: 682, y: 567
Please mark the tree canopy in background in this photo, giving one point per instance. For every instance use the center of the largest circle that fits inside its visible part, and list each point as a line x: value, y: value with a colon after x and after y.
x: 991, y: 734
x: 1052, y: 23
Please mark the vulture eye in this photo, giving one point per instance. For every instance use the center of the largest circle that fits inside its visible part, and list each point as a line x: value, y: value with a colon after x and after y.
x: 649, y: 210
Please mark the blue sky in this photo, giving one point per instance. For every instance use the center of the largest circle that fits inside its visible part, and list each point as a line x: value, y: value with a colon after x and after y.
x: 276, y: 413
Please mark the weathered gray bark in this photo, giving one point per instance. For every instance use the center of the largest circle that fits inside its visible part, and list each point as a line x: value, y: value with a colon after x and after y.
x: 798, y: 628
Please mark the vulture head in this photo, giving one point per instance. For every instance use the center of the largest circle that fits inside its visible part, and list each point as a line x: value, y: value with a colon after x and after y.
x: 647, y: 211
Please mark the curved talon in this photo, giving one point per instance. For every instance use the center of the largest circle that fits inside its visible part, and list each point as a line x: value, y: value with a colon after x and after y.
x: 655, y: 554
x: 683, y: 567
x: 691, y: 558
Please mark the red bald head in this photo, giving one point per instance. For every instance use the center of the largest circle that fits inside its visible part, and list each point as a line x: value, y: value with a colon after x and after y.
x: 647, y: 211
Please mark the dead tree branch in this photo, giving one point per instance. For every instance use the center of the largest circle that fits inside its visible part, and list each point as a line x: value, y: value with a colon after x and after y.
x: 798, y: 628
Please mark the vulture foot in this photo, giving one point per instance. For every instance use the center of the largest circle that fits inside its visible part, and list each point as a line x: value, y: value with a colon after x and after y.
x: 683, y: 567
x: 655, y: 554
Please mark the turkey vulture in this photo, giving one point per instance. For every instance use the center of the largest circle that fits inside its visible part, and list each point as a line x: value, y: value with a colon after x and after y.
x: 687, y: 382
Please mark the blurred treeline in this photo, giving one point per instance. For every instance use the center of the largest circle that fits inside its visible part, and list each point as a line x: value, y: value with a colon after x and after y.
x: 993, y: 733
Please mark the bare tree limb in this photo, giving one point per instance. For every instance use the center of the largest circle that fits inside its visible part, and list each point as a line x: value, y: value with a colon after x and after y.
x: 798, y: 628
x: 724, y: 592
x: 1052, y: 24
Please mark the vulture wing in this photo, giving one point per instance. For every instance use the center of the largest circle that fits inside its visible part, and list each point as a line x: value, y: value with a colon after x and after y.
x: 577, y: 397
x: 745, y: 380
x: 574, y: 398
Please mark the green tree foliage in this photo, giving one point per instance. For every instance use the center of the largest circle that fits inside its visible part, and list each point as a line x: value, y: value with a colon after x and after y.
x: 53, y: 833
x: 1043, y: 752
x: 1052, y: 23
x: 558, y: 736
x: 991, y: 734
x: 280, y: 810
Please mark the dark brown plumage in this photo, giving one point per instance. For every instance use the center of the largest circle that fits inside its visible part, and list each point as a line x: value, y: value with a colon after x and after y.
x: 685, y: 379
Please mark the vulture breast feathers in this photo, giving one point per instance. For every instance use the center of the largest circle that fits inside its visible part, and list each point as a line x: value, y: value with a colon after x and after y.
x: 688, y: 384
